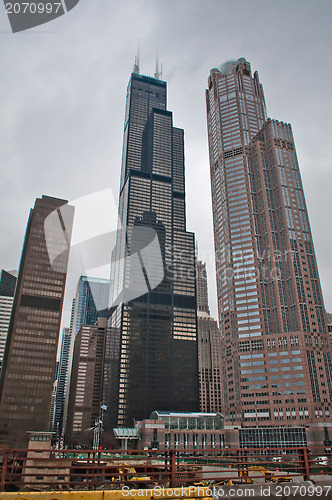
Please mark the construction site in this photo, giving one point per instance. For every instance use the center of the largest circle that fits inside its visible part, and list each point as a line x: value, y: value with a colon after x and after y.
x: 40, y: 470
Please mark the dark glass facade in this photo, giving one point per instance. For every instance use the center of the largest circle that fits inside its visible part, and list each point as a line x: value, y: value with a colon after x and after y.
x: 151, y: 352
x: 30, y: 356
x: 85, y: 311
x: 271, y: 437
x: 7, y: 283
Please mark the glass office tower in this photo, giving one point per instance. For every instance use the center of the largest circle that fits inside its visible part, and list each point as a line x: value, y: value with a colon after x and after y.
x: 27, y: 375
x: 151, y: 352
x: 90, y: 302
x: 271, y: 311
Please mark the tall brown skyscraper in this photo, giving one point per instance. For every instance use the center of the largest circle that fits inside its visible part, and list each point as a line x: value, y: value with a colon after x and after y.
x: 209, y: 348
x: 30, y: 355
x: 85, y: 396
x: 278, y: 371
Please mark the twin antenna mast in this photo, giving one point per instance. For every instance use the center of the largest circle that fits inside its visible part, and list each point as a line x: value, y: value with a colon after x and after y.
x: 159, y: 69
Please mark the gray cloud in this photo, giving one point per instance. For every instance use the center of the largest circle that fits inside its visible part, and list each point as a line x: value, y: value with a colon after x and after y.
x: 63, y: 91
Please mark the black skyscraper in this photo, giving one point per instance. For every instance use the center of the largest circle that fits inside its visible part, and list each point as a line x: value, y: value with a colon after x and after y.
x: 7, y: 283
x: 151, y: 353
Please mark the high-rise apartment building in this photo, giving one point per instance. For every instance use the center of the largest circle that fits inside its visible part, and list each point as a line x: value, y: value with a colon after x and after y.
x: 85, y: 395
x: 209, y: 348
x: 278, y: 370
x: 151, y: 355
x: 90, y: 302
x: 7, y: 291
x: 29, y: 362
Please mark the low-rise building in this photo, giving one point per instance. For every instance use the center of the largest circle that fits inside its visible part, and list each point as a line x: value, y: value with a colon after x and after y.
x: 181, y: 430
x: 42, y: 466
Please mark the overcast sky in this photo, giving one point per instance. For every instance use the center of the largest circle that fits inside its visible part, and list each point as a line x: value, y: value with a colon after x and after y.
x: 63, y: 96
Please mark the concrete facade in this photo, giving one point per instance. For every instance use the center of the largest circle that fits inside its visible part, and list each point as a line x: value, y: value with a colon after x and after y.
x: 209, y: 348
x: 85, y: 396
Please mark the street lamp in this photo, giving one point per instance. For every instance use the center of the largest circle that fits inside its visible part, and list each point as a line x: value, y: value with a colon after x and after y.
x: 98, y: 428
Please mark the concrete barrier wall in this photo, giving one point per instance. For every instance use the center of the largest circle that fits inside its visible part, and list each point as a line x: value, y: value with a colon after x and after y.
x: 305, y: 490
x: 180, y: 492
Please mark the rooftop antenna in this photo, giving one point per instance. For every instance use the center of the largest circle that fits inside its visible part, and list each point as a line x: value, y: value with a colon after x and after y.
x: 136, y: 65
x: 157, y: 74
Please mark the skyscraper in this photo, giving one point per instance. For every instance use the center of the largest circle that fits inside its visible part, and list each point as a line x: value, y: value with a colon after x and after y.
x: 29, y: 362
x: 90, y: 302
x: 53, y: 400
x: 7, y: 291
x: 61, y: 382
x: 209, y: 348
x: 8, y: 283
x: 85, y: 396
x: 271, y: 311
x: 151, y: 353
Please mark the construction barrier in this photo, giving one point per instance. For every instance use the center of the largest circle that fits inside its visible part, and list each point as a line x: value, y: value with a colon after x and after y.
x: 193, y: 492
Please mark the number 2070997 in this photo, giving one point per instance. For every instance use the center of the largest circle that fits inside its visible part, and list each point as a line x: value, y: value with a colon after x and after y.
x: 33, y: 8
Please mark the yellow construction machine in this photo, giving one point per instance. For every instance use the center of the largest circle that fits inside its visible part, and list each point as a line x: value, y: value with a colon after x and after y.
x: 129, y: 475
x: 270, y: 476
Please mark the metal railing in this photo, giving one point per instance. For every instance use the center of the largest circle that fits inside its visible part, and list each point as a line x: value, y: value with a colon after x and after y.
x: 40, y: 469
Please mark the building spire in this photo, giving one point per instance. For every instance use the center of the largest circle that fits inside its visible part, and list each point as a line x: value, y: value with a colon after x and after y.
x: 158, y: 74
x: 136, y: 65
